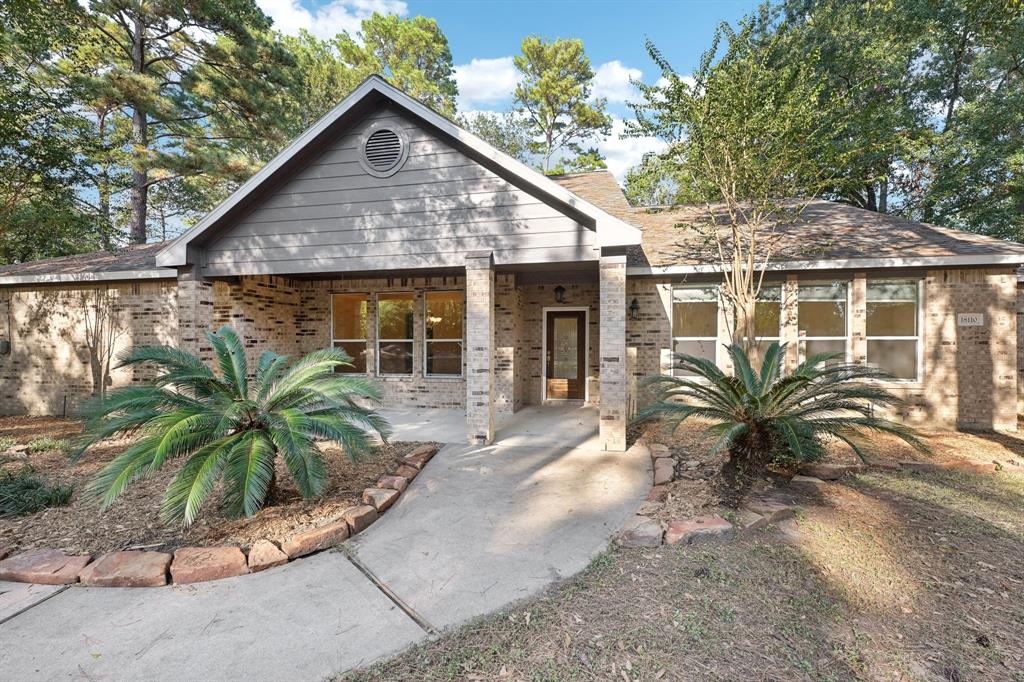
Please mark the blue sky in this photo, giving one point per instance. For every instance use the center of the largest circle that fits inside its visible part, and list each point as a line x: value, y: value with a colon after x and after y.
x: 485, y: 34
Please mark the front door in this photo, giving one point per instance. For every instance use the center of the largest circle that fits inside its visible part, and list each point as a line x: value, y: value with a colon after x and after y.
x: 565, y: 365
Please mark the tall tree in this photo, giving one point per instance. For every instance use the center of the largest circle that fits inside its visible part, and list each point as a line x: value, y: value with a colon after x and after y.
x: 41, y: 136
x: 412, y: 53
x: 191, y: 97
x: 753, y: 139
x: 506, y: 132
x: 554, y: 94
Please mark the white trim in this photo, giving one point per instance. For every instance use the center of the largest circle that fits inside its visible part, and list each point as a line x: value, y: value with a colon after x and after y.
x: 839, y: 264
x: 544, y: 351
x: 847, y: 339
x: 105, y: 276
x: 460, y: 341
x: 610, y: 230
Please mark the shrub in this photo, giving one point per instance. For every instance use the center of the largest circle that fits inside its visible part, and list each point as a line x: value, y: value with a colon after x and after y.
x: 760, y: 417
x: 23, y: 493
x: 48, y: 444
x: 7, y: 442
x: 228, y: 427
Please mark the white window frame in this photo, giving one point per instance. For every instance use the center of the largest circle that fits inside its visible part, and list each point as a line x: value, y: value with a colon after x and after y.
x: 847, y: 341
x: 411, y: 341
x: 718, y: 320
x: 918, y: 328
x: 366, y: 340
x: 427, y: 341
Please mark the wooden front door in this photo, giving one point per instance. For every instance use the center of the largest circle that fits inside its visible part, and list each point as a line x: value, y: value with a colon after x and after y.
x: 566, y: 361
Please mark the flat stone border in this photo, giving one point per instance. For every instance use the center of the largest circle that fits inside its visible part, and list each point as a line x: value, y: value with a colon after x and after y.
x: 201, y: 564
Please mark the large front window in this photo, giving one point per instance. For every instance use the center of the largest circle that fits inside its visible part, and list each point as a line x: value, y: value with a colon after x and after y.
x: 695, y: 321
x: 394, y: 334
x: 768, y: 317
x: 348, y: 324
x: 893, y: 334
x: 822, y: 318
x: 443, y: 333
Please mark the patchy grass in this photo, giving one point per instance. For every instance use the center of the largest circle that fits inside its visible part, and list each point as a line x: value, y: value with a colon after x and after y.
x: 7, y: 442
x: 894, y: 575
x: 49, y: 444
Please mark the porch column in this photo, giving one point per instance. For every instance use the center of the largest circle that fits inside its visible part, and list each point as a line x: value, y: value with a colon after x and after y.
x: 480, y: 348
x: 790, y: 324
x: 614, y: 407
x: 859, y: 319
x: 195, y: 313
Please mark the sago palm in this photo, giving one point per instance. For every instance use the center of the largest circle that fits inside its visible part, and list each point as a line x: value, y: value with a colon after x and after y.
x: 227, y: 426
x: 766, y: 415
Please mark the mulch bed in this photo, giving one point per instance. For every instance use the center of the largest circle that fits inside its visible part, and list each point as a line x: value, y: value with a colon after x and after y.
x: 133, y: 520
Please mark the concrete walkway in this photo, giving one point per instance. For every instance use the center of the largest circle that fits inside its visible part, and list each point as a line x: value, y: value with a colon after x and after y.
x: 479, y: 528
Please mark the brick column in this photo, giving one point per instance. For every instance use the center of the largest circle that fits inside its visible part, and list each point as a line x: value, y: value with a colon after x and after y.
x: 614, y: 403
x: 195, y: 313
x: 859, y: 319
x: 790, y: 333
x: 480, y: 348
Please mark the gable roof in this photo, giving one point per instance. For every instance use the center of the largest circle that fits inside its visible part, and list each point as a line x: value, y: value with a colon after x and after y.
x: 611, y: 231
x: 829, y: 235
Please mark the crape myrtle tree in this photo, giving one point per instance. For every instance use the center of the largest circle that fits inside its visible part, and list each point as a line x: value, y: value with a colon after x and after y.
x: 744, y: 138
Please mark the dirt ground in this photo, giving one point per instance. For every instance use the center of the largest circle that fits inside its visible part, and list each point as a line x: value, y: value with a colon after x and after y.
x: 133, y: 520
x: 890, y: 575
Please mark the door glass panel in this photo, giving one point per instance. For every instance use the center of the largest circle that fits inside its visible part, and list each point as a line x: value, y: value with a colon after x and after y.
x: 566, y: 359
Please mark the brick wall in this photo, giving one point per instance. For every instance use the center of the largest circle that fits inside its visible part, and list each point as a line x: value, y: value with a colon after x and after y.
x: 970, y: 374
x: 62, y: 337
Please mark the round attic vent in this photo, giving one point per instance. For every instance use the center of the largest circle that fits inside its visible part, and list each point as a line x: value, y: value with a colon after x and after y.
x: 384, y: 151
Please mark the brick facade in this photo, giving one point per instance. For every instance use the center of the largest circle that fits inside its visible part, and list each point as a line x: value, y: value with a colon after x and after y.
x: 64, y: 340
x: 969, y: 377
x: 969, y: 374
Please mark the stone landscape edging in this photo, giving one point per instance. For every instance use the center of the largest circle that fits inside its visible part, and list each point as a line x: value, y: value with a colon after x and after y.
x: 187, y: 565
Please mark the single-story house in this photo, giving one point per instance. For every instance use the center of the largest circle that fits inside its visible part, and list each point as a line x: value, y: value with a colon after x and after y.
x: 460, y: 278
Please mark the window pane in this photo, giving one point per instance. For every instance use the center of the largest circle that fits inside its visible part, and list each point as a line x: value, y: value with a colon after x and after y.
x: 897, y: 357
x: 444, y: 357
x: 892, y: 307
x: 891, y: 319
x: 349, y: 316
x: 394, y: 316
x: 695, y: 319
x: 444, y: 314
x: 357, y: 351
x: 396, y: 357
x: 822, y: 318
x: 700, y: 349
x: 767, y: 319
x: 812, y: 348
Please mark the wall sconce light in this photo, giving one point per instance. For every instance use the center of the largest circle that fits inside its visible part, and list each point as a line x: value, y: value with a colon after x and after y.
x: 559, y: 294
x: 634, y: 310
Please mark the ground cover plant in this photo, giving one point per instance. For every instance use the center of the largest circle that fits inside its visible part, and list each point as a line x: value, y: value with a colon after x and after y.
x: 23, y: 492
x: 225, y: 429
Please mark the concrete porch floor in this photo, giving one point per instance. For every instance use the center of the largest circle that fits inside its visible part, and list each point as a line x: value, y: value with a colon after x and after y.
x: 570, y: 426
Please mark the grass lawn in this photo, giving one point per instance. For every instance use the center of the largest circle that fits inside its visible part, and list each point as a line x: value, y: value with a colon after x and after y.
x: 894, y: 575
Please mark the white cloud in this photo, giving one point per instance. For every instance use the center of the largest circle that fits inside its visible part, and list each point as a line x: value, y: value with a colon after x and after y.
x: 329, y: 19
x: 485, y: 81
x: 623, y: 153
x: 612, y: 80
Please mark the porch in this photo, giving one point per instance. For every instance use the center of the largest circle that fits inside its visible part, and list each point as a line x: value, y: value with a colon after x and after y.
x: 476, y: 346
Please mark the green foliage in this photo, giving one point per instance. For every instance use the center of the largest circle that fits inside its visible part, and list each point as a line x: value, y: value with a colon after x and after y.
x: 658, y: 181
x: 760, y: 416
x: 24, y: 493
x: 230, y: 427
x: 585, y: 161
x: 505, y: 132
x: 7, y: 442
x: 412, y: 53
x: 48, y: 444
x: 554, y: 96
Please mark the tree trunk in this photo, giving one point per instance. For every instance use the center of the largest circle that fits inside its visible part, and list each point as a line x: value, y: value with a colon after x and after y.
x: 883, y: 196
x: 103, y: 188
x: 140, y: 140
x: 748, y: 461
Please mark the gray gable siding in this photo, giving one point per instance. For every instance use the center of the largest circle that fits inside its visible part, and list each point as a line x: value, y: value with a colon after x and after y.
x: 332, y: 216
